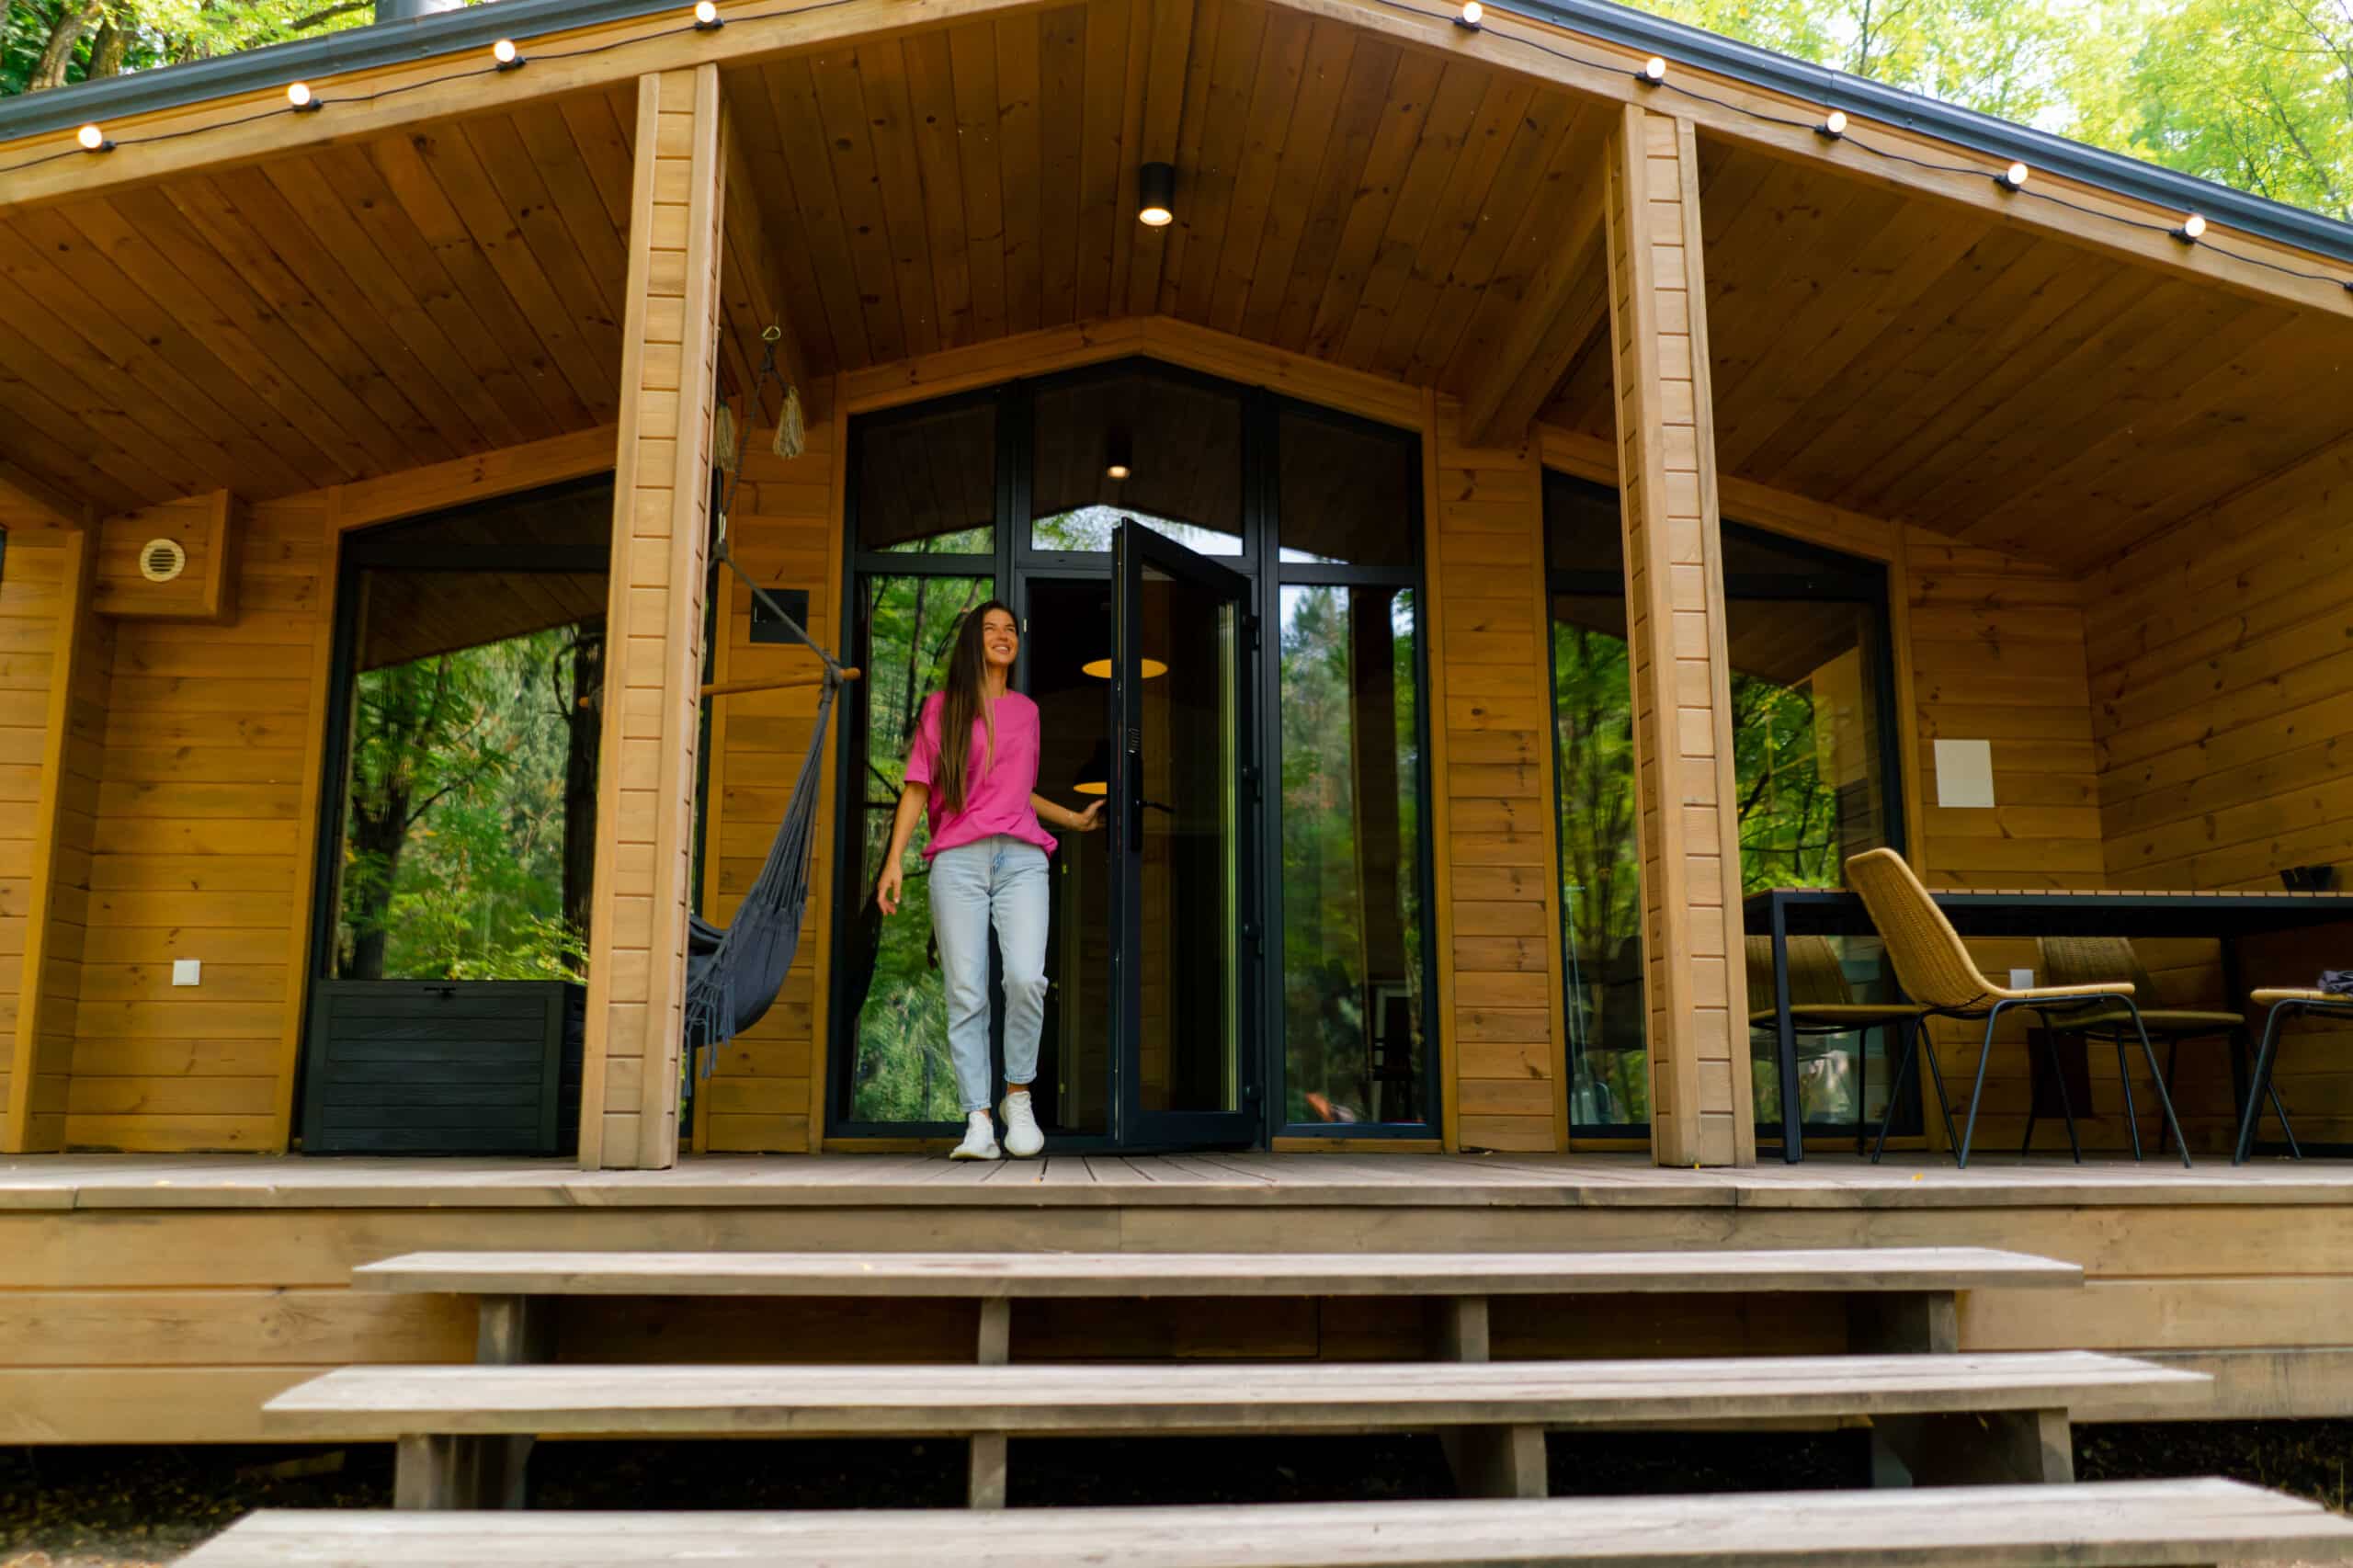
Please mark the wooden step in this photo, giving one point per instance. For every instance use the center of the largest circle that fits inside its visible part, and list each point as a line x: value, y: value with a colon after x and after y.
x: 2103, y: 1525
x: 1977, y: 1417
x: 992, y: 1275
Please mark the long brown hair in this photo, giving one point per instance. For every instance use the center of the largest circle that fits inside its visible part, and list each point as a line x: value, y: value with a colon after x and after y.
x: 967, y: 667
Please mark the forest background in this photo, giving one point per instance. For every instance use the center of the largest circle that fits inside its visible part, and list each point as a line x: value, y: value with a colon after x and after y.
x: 2256, y: 94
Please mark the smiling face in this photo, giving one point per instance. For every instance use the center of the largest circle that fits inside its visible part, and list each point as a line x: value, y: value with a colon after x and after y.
x: 1000, y: 640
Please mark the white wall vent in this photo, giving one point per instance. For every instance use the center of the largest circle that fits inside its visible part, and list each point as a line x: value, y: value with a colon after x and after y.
x: 161, y: 559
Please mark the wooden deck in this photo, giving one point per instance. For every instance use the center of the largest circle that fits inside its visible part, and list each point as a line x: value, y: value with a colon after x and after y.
x: 1211, y: 1180
x: 167, y: 1298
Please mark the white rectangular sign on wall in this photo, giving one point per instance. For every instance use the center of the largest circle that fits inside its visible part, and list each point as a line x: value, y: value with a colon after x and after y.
x: 1964, y: 773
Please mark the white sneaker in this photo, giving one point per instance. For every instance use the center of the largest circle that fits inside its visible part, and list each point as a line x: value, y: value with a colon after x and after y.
x: 979, y: 1139
x: 1022, y: 1138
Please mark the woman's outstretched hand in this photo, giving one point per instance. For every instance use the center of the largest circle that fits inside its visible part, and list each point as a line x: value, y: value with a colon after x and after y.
x: 886, y: 892
x: 1089, y: 819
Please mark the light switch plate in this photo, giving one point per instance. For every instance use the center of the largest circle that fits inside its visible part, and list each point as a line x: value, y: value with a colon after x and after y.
x: 2021, y: 980
x: 188, y: 972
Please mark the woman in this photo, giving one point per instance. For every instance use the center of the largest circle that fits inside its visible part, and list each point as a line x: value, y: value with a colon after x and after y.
x: 988, y: 866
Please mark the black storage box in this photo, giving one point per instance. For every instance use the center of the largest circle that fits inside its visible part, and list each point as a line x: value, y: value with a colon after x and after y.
x: 443, y: 1067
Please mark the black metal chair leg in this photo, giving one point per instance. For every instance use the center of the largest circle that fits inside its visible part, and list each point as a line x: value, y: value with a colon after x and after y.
x: 2295, y: 1151
x: 1935, y: 1076
x: 1977, y: 1094
x: 2033, y: 1111
x: 2173, y: 1064
x: 2164, y: 1100
x: 2059, y: 1080
x: 1895, y: 1096
x: 2131, y: 1111
x: 2259, y: 1084
x: 1863, y: 1086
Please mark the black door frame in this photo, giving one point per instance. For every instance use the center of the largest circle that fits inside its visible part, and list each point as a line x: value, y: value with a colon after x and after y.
x: 1011, y: 564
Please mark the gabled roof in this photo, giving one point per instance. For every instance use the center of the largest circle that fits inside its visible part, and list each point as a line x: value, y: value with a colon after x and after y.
x: 475, y: 27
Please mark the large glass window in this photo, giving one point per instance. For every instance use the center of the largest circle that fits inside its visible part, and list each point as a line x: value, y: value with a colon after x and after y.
x: 1815, y: 771
x: 927, y: 480
x: 1136, y: 443
x: 467, y: 813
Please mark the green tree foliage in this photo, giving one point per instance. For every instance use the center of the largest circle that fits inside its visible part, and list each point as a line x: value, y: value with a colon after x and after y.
x: 454, y: 820
x: 52, y: 43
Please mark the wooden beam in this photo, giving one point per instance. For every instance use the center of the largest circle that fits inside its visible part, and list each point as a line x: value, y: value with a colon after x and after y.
x: 1701, y: 1111
x: 645, y: 788
x: 364, y: 106
x: 41, y: 1051
x: 477, y: 478
x: 754, y: 297
x: 2099, y: 220
x: 1566, y: 303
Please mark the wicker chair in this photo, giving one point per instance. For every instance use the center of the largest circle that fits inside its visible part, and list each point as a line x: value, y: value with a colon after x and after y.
x: 1936, y: 969
x: 2078, y: 960
x: 2283, y: 1004
x: 1823, y: 1007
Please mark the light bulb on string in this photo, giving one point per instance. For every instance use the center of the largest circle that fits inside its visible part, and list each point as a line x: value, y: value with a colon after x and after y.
x: 1833, y: 126
x: 1471, y: 15
x: 1652, y: 72
x: 509, y: 58
x: 300, y: 97
x: 93, y: 140
x: 2014, y: 177
x: 2193, y: 229
x: 706, y: 16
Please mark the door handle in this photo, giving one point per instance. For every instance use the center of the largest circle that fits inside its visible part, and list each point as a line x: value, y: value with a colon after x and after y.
x: 1135, y: 791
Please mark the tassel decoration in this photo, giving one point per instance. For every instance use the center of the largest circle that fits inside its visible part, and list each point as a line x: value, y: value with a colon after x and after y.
x: 791, y: 435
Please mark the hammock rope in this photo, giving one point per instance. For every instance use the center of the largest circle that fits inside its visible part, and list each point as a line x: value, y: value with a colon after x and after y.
x: 735, y: 973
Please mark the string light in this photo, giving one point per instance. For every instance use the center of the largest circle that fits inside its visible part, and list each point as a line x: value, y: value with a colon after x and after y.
x: 1472, y: 14
x: 706, y: 16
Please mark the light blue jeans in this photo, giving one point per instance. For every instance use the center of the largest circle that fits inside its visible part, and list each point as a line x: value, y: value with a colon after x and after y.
x: 998, y: 881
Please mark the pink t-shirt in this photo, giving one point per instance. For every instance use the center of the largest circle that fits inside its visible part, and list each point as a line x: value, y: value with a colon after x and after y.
x: 997, y: 794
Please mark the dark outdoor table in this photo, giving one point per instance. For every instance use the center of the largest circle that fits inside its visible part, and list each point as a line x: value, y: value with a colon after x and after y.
x: 1783, y: 912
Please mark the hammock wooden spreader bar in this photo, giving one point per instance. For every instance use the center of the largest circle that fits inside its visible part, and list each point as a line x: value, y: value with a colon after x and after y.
x: 735, y: 688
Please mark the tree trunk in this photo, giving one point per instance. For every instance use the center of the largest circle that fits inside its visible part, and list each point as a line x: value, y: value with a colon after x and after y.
x: 376, y: 839
x: 107, y: 51
x: 583, y: 735
x: 72, y: 24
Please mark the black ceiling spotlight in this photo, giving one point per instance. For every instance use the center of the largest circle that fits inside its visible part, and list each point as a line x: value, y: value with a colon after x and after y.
x: 1156, y: 195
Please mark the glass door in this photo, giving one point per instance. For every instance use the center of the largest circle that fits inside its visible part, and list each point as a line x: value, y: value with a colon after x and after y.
x: 1187, y: 938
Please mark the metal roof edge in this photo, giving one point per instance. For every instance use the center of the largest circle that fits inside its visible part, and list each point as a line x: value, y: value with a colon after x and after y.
x: 477, y: 26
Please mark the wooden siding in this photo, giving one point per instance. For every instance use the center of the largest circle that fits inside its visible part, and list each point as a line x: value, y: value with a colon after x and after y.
x: 1498, y: 870
x: 2220, y: 680
x: 213, y: 735
x: 1701, y: 1112
x: 645, y: 787
x: 767, y: 1092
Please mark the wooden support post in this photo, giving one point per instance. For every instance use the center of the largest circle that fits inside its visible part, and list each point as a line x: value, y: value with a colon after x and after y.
x: 645, y: 788
x: 986, y: 1488
x: 513, y: 1331
x: 1998, y: 1448
x: 1701, y: 1111
x: 1897, y: 1323
x: 1487, y: 1462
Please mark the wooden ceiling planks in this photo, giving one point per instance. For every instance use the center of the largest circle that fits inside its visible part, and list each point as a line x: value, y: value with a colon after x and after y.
x: 355, y: 310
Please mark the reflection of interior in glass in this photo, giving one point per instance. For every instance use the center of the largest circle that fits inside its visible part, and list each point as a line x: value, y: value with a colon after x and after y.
x: 1344, y: 490
x: 469, y: 794
x: 1190, y: 1041
x: 900, y: 1068
x: 1137, y: 442
x: 927, y: 481
x: 1070, y: 626
x: 1351, y: 927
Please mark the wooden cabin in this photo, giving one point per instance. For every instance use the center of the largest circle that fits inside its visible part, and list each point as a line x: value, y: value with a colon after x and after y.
x: 1567, y: 480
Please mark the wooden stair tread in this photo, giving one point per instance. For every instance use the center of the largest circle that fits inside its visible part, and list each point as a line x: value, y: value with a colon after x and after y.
x: 1068, y: 1274
x: 2096, y: 1525
x: 1200, y: 1397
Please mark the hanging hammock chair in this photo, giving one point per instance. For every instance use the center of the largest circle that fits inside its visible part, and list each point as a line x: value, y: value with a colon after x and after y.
x: 734, y: 972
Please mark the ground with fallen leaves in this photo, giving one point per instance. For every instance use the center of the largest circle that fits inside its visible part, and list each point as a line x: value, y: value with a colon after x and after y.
x: 125, y: 1508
